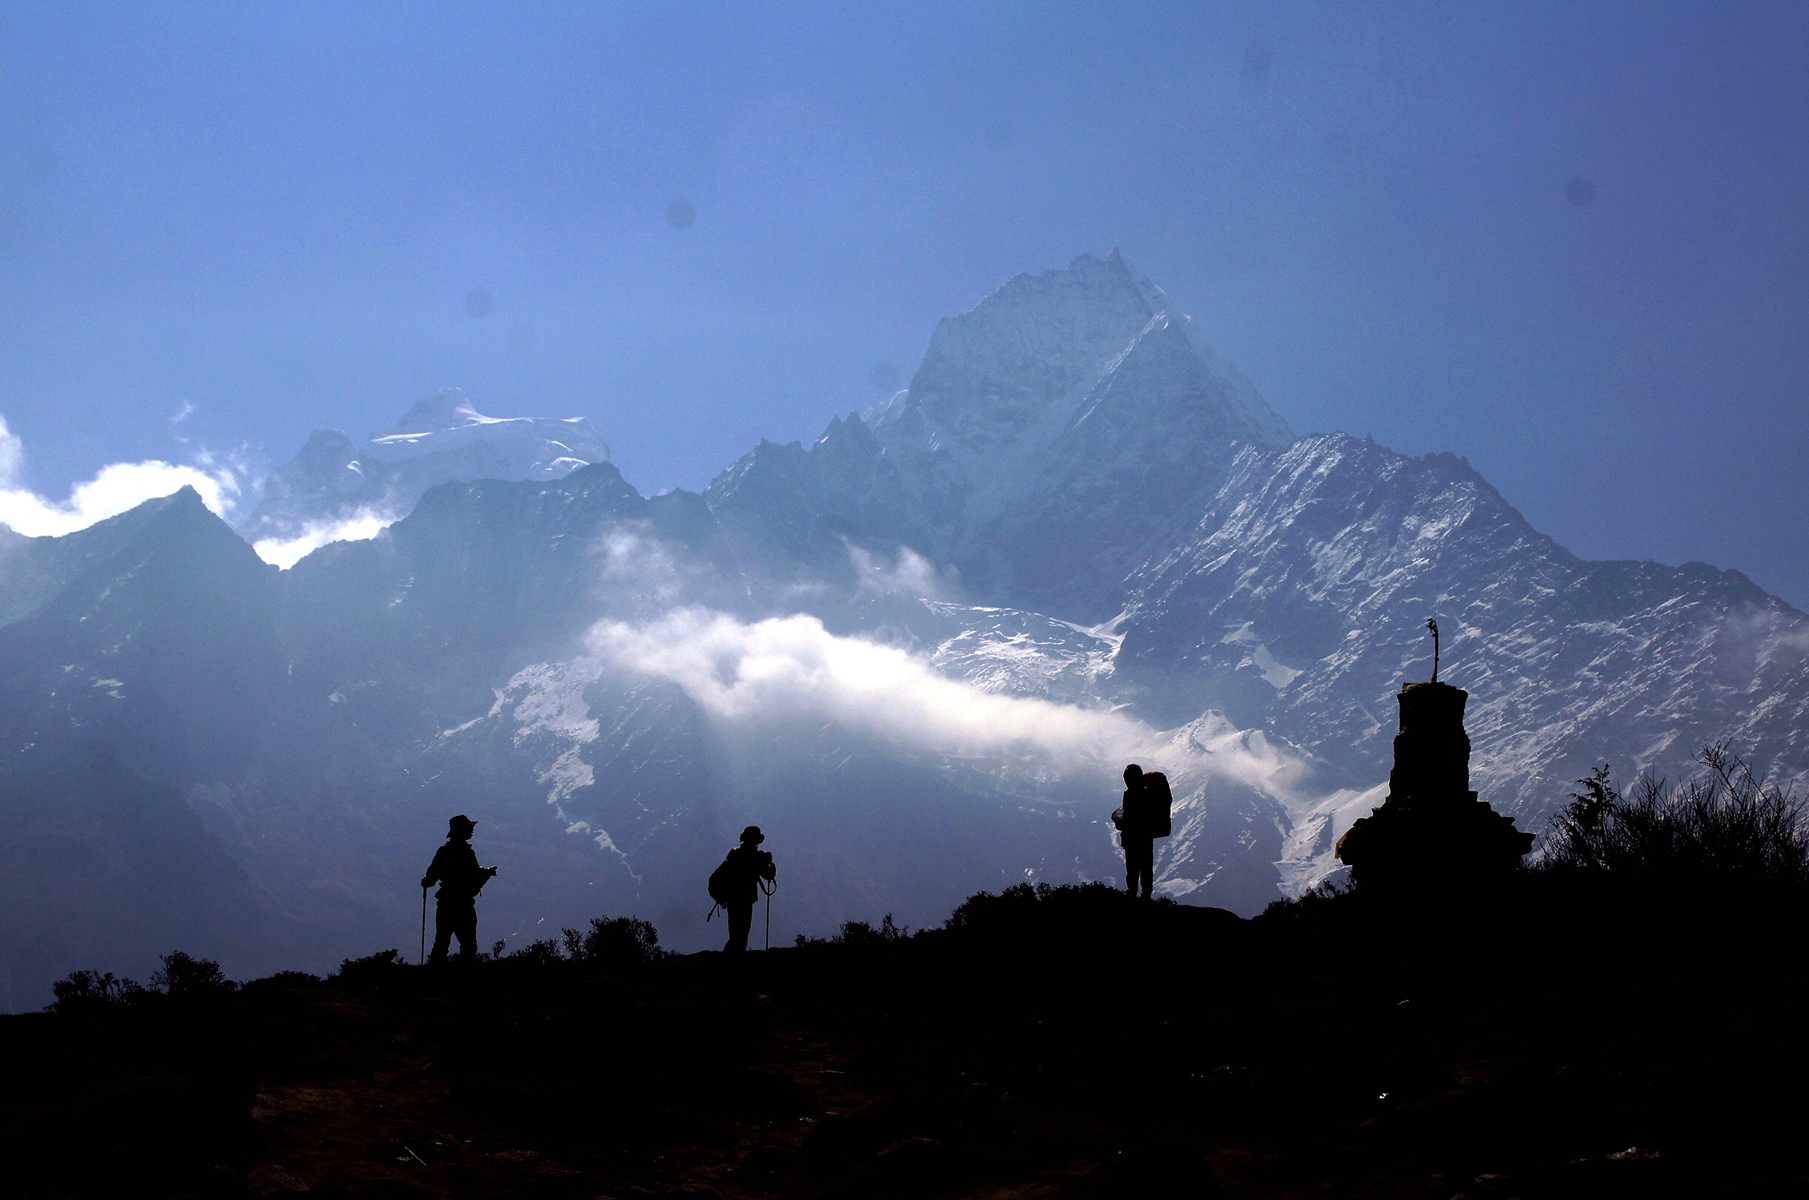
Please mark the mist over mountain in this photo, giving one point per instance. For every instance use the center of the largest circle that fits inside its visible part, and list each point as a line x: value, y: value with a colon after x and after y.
x: 917, y: 652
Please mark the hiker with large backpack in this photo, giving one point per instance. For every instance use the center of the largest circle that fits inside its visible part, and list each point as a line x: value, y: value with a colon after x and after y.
x: 737, y: 884
x: 1142, y: 819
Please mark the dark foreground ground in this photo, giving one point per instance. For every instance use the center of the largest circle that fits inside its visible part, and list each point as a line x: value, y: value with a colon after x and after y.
x: 1068, y: 1046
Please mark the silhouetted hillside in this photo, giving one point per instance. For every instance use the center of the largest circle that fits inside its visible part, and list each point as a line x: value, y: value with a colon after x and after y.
x: 1045, y: 1042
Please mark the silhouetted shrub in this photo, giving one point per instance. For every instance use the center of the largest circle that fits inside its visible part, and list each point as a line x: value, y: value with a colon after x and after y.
x: 88, y: 991
x: 614, y: 942
x: 371, y: 969
x: 1315, y: 899
x: 1724, y: 825
x: 539, y: 953
x: 1024, y: 908
x: 860, y: 933
x: 184, y: 977
x: 282, y: 981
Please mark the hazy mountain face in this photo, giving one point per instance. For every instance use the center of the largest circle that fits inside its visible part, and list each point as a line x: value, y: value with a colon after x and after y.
x: 334, y: 490
x: 917, y: 652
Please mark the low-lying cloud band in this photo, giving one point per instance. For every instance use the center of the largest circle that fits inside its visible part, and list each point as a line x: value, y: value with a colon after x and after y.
x: 793, y: 668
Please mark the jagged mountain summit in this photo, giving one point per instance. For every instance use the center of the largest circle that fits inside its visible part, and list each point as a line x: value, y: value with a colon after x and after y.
x: 1045, y: 446
x: 915, y: 652
x: 442, y: 438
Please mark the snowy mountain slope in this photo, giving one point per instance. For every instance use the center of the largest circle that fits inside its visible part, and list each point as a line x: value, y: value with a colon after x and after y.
x: 33, y: 570
x: 159, y: 633
x: 440, y: 440
x: 1068, y: 448
x: 1298, y: 604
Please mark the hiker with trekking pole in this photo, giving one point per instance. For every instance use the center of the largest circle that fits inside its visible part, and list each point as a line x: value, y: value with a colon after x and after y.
x: 736, y: 886
x: 455, y: 869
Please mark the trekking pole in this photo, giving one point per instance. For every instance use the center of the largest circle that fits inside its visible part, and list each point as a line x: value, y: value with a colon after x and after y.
x: 423, y: 961
x: 769, y: 889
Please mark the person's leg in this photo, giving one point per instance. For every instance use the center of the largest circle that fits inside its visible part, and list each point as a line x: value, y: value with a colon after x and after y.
x: 1144, y: 870
x: 741, y: 920
x: 442, y: 932
x: 466, y: 928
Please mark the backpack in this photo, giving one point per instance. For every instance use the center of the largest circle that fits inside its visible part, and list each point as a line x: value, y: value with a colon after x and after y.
x: 1160, y: 800
x: 722, y: 882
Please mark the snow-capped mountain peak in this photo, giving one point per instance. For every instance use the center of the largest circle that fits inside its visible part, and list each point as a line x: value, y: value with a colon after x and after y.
x: 441, y: 439
x: 1020, y: 362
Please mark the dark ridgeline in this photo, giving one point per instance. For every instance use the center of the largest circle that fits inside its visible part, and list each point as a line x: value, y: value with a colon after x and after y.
x: 1432, y: 833
x: 1075, y: 1042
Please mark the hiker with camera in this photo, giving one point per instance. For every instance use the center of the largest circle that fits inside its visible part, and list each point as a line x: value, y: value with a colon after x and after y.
x: 1143, y: 817
x: 455, y: 869
x: 737, y: 885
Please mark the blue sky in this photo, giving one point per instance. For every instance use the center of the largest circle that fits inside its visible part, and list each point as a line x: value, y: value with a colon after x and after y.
x: 1567, y: 241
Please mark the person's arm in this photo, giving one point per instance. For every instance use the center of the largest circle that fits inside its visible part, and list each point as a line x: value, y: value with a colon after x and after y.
x: 474, y: 874
x: 433, y: 870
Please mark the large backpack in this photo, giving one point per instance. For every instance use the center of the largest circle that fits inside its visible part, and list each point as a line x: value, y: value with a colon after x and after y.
x: 1160, y: 800
x: 723, y: 880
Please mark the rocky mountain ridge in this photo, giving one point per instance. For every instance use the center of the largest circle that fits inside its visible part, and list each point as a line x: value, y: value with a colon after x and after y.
x: 1075, y: 505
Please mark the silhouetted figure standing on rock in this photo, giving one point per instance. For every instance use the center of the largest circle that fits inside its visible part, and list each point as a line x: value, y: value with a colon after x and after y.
x: 454, y: 868
x: 1142, y: 819
x: 736, y: 885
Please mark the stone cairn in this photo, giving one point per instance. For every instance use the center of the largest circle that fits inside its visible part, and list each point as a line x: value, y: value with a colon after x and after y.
x: 1432, y: 832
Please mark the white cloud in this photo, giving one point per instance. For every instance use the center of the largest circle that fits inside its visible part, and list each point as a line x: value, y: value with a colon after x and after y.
x: 911, y: 575
x: 184, y: 413
x: 117, y: 488
x: 793, y: 668
x: 634, y: 563
x: 1768, y: 631
x: 361, y: 526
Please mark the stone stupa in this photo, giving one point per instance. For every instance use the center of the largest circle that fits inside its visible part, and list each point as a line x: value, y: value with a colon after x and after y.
x: 1432, y: 833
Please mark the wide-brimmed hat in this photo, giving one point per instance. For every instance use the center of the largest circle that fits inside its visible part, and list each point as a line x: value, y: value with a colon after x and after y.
x: 460, y: 824
x: 751, y: 836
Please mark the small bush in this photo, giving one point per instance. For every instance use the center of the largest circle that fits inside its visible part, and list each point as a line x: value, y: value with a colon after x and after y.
x: 89, y: 991
x: 1315, y: 899
x: 539, y: 953
x: 282, y: 981
x: 184, y: 977
x: 372, y: 968
x: 860, y: 933
x: 1724, y: 826
x: 1022, y: 903
x: 614, y: 942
